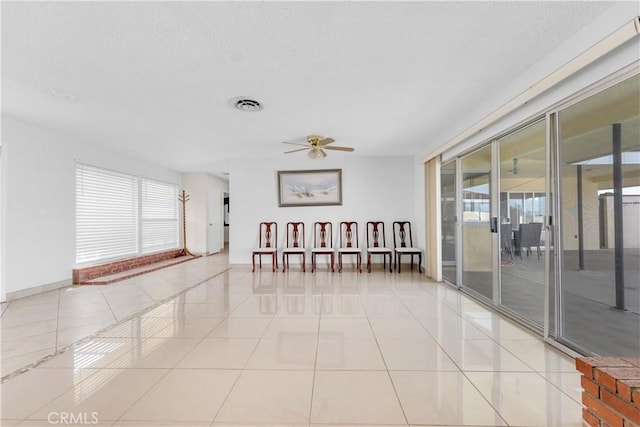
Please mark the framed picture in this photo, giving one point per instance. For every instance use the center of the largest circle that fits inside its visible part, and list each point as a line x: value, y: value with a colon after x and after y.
x: 310, y: 187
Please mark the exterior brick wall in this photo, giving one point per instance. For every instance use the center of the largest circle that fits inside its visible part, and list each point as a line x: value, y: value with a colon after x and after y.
x: 91, y: 272
x: 611, y: 391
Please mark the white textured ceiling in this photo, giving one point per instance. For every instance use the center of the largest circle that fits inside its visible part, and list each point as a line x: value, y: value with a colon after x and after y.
x: 153, y: 79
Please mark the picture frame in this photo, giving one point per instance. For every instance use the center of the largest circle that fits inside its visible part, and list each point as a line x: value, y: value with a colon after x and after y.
x: 322, y: 187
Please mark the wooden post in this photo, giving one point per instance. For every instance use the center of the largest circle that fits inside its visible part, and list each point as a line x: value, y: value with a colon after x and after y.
x: 184, y: 198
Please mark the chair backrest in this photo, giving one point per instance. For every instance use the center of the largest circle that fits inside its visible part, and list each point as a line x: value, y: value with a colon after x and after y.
x: 268, y: 235
x: 505, y: 236
x: 349, y: 234
x: 375, y: 230
x: 322, y: 234
x: 534, y: 230
x: 295, y: 235
x: 521, y: 236
x: 400, y: 231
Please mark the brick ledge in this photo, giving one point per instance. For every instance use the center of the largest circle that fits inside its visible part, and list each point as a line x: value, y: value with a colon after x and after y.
x: 131, y: 266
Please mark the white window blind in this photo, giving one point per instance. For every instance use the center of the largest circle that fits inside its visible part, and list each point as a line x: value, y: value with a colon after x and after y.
x: 159, y: 216
x: 106, y: 214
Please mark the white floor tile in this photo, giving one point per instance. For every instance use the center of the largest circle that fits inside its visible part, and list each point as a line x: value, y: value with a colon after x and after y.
x: 345, y: 328
x: 349, y: 354
x: 240, y: 328
x: 244, y: 349
x: 527, y: 399
x: 356, y: 397
x: 41, y: 385
x: 483, y: 355
x: 415, y: 355
x: 220, y: 353
x: 292, y: 327
x: 269, y: 397
x: 107, y: 393
x: 540, y: 356
x: 293, y: 351
x: 184, y: 395
x: 446, y: 398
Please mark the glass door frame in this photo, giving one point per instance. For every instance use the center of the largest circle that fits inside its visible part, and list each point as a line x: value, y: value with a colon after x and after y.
x: 548, y: 228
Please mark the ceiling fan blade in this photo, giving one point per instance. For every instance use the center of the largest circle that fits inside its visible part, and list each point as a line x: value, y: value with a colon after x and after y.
x: 293, y: 151
x: 339, y: 148
x: 326, y: 141
x: 302, y: 144
x: 323, y: 153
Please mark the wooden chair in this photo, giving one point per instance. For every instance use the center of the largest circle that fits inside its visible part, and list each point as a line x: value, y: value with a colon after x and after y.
x: 374, y: 230
x: 400, y: 231
x: 349, y: 243
x: 267, y: 244
x: 295, y: 244
x: 322, y: 246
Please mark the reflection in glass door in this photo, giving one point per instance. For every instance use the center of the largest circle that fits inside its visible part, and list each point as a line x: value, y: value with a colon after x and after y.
x: 522, y: 237
x: 599, y: 174
x: 448, y: 223
x: 477, y: 242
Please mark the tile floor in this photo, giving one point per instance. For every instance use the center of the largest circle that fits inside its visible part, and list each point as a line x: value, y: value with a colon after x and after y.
x: 296, y: 349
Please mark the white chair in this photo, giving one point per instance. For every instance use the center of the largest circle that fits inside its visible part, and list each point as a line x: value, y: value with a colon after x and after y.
x: 400, y: 231
x: 320, y: 244
x: 349, y: 243
x: 295, y: 244
x: 267, y: 244
x: 375, y: 229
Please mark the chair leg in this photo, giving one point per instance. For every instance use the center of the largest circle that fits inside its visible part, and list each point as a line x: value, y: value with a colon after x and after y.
x: 253, y: 262
x: 313, y: 262
x: 360, y: 262
x: 390, y: 263
x: 304, y: 263
x: 274, y: 262
x: 333, y: 270
x: 399, y: 262
x: 368, y: 263
x: 339, y: 263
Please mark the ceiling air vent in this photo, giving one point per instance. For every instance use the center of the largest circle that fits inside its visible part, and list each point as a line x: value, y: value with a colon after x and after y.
x: 247, y: 104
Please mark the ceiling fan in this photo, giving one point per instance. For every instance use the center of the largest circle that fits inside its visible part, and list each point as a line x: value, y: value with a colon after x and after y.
x: 316, y: 145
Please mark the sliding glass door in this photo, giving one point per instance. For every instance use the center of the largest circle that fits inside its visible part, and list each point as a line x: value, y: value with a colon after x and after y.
x: 477, y: 242
x: 448, y: 209
x: 522, y: 214
x: 599, y: 181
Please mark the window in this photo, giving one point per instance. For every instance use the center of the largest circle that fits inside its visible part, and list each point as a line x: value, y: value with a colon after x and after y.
x: 120, y: 215
x: 106, y: 214
x: 159, y: 216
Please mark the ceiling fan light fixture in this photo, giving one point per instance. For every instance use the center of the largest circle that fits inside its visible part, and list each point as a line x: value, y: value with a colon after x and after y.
x: 516, y: 167
x: 316, y: 153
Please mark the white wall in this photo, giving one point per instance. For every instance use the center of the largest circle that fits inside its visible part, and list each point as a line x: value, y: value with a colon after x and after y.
x: 372, y: 188
x: 197, y: 186
x: 618, y: 15
x: 38, y: 200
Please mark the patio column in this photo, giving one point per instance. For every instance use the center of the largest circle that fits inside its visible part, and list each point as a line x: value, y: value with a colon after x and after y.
x: 617, y: 213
